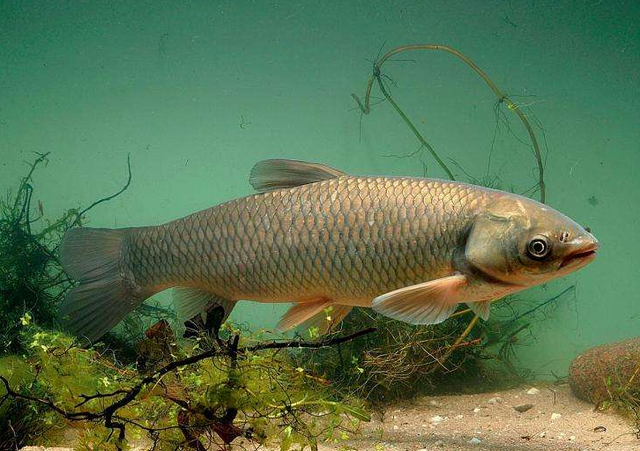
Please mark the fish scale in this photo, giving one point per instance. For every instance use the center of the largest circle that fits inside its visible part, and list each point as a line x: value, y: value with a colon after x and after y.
x: 411, y: 248
x: 347, y: 239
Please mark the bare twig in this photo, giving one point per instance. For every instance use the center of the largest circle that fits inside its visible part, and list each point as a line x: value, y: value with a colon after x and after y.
x: 105, y: 199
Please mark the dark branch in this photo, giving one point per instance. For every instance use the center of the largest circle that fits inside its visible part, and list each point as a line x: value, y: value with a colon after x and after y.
x: 109, y: 414
x: 105, y: 199
x: 307, y: 344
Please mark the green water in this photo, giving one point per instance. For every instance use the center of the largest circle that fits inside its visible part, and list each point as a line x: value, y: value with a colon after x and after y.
x: 197, y: 92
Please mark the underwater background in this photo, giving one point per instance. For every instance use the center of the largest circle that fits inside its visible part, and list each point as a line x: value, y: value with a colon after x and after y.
x: 198, y: 92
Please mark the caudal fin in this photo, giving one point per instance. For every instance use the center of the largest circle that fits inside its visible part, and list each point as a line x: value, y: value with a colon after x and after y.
x: 104, y: 296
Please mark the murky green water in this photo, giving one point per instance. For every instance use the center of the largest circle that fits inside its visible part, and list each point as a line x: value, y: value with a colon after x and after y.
x: 197, y: 92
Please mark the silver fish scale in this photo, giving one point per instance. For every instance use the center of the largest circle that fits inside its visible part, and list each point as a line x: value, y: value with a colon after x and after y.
x: 348, y: 239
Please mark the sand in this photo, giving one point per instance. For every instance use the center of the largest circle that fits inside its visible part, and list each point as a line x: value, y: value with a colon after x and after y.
x: 452, y: 423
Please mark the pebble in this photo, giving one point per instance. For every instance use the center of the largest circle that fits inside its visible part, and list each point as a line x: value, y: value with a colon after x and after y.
x: 523, y: 407
x: 572, y: 438
x: 475, y: 441
x: 458, y: 417
x: 434, y: 403
x: 555, y: 416
x: 533, y: 391
x: 395, y: 428
x: 543, y: 434
x: 476, y: 410
x: 436, y: 419
x: 439, y: 443
x: 496, y: 400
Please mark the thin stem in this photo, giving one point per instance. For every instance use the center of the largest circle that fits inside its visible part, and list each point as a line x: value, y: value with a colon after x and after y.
x: 412, y: 127
x: 502, y: 97
x: 105, y: 199
x: 462, y: 336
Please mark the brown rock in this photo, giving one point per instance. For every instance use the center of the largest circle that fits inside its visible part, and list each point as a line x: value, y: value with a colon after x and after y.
x: 523, y: 407
x: 602, y: 370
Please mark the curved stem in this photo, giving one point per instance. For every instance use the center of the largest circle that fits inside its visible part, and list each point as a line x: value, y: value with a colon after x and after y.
x: 462, y: 336
x: 413, y: 128
x: 502, y: 97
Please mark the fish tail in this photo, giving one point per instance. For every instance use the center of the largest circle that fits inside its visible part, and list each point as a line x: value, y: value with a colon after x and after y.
x: 105, y: 294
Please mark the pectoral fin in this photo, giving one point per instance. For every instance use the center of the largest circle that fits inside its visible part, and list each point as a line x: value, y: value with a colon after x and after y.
x: 426, y: 303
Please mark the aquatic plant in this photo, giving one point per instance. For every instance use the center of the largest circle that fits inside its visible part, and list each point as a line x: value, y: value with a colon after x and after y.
x: 401, y: 361
x: 32, y: 284
x: 209, y: 393
x: 32, y: 281
x: 502, y: 98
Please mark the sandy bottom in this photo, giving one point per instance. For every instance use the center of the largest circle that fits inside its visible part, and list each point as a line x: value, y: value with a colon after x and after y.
x: 488, y: 421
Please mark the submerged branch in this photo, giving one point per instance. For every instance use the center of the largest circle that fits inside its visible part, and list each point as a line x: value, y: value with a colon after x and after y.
x: 24, y: 184
x: 460, y: 339
x: 108, y: 198
x: 108, y: 415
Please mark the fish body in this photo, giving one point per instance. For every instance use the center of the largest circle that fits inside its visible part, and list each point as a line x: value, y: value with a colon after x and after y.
x: 411, y: 248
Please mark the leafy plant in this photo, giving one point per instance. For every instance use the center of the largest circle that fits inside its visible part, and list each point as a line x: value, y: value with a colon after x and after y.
x: 400, y: 361
x: 209, y: 393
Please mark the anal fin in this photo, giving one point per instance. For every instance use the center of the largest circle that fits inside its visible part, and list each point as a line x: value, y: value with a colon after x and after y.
x: 302, y: 312
x: 327, y: 319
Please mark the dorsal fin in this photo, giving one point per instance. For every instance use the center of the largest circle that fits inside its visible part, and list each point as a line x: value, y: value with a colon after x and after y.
x: 269, y: 175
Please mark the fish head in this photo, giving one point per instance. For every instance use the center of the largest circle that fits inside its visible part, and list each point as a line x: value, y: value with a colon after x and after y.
x: 522, y: 242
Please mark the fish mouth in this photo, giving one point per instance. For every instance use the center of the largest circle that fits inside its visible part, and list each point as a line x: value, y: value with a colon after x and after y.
x: 581, y: 256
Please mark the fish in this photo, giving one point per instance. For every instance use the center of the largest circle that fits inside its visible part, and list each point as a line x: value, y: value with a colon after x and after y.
x: 411, y: 248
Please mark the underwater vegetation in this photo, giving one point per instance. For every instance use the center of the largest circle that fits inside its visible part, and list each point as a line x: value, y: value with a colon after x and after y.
x: 401, y: 361
x: 383, y: 80
x: 211, y: 393
x: 147, y: 385
x: 174, y: 394
x: 32, y: 282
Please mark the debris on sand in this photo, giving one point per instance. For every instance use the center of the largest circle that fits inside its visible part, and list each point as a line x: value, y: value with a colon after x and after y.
x: 523, y: 407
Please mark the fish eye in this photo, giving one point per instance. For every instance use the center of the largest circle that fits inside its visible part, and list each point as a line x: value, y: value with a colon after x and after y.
x: 539, y: 247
